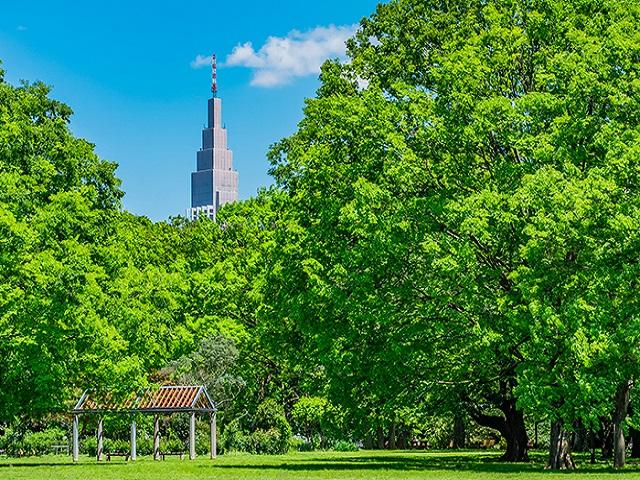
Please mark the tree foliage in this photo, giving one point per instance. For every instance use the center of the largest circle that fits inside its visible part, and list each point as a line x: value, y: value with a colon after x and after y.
x: 453, y: 233
x: 466, y: 191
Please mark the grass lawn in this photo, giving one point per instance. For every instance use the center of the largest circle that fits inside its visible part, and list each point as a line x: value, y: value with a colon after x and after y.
x: 366, y: 465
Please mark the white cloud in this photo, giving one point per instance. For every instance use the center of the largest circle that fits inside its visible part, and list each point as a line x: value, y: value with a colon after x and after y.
x: 245, y: 55
x: 201, y: 61
x: 282, y: 59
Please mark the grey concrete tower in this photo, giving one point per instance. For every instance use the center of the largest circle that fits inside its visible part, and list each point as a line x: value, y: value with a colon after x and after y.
x: 215, y: 182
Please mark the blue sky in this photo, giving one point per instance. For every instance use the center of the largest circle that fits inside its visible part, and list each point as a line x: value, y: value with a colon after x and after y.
x: 128, y: 69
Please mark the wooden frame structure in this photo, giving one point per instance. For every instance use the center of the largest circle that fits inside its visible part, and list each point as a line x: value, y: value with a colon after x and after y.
x: 165, y: 400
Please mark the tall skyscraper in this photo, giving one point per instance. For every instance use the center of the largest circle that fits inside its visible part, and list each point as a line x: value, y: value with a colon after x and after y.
x: 215, y: 182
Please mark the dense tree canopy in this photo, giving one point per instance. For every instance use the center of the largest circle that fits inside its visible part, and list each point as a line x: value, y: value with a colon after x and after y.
x: 56, y: 197
x: 467, y: 189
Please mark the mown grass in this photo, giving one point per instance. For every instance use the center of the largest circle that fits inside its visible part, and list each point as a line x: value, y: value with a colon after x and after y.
x: 364, y: 465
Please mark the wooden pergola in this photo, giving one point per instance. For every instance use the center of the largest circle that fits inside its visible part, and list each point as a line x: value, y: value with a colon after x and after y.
x: 165, y: 400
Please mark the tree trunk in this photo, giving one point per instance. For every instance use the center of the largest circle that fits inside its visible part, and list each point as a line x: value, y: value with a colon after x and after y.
x: 619, y: 415
x: 580, y: 437
x: 559, y: 448
x: 605, y: 436
x: 635, y: 442
x: 392, y: 436
x: 402, y: 437
x: 380, y: 434
x: 512, y: 428
x: 459, y: 434
x: 516, y: 437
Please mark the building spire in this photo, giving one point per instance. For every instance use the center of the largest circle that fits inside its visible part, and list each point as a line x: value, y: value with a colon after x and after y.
x: 214, y: 76
x: 215, y: 181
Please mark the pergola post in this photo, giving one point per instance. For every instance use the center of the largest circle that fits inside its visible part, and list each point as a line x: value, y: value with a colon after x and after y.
x: 133, y: 439
x: 214, y: 443
x: 192, y: 436
x: 100, y: 443
x: 156, y: 437
x: 75, y: 438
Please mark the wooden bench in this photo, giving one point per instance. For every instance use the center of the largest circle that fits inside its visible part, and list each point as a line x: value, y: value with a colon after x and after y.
x: 58, y: 449
x: 176, y: 454
x: 126, y: 455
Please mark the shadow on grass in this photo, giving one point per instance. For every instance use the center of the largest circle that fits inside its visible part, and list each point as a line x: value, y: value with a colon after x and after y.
x: 478, y: 462
x: 423, y: 462
x: 70, y: 464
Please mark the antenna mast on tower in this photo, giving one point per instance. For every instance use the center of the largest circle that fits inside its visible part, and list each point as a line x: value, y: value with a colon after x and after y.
x: 214, y: 76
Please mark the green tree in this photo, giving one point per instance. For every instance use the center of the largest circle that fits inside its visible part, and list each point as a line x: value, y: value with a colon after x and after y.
x: 465, y: 195
x: 228, y: 264
x: 57, y: 199
x: 89, y: 296
x: 317, y: 420
x: 212, y: 365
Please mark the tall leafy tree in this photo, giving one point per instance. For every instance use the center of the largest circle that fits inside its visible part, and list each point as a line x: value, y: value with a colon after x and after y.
x: 90, y: 296
x: 57, y: 199
x: 459, y: 185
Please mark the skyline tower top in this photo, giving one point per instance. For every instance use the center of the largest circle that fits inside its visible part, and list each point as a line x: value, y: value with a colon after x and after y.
x: 215, y: 182
x: 214, y: 76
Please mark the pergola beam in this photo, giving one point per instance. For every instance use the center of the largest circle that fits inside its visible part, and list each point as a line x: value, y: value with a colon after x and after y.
x: 144, y: 411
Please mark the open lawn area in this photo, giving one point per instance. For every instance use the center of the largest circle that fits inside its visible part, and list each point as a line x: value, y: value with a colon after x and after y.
x: 369, y: 465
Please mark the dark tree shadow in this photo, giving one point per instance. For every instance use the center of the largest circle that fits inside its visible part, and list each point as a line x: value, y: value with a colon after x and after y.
x: 69, y: 464
x: 471, y: 462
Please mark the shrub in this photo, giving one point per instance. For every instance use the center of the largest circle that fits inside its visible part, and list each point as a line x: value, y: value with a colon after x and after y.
x: 172, y: 445
x: 345, y: 446
x: 318, y: 421
x: 33, y: 443
x: 273, y: 432
x: 111, y: 446
x: 268, y: 442
x: 144, y: 446
x: 271, y: 415
x: 300, y: 445
x: 268, y: 433
x: 5, y: 440
x: 232, y: 438
x: 89, y: 446
x: 203, y: 441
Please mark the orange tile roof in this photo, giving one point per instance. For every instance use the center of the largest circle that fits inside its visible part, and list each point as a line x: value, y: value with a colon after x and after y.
x: 167, y: 398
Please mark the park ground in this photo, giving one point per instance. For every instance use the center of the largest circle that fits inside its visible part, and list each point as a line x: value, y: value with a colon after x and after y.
x: 366, y: 465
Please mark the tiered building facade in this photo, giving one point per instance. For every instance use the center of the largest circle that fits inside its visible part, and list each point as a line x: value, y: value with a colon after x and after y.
x: 215, y: 182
